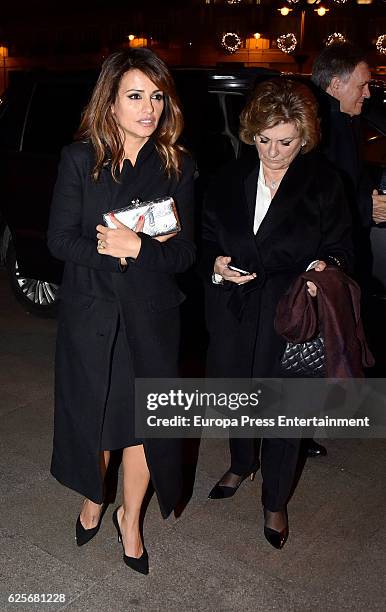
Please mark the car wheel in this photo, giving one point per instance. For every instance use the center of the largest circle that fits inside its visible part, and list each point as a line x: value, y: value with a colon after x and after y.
x: 36, y: 296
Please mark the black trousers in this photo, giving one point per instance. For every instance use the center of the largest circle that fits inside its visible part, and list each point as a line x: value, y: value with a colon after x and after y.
x: 279, y: 459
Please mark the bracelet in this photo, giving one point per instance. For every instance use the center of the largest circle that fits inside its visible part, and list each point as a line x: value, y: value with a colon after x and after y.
x: 217, y: 279
x: 334, y: 261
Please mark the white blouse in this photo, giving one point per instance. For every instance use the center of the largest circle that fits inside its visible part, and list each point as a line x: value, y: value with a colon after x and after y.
x: 263, y: 200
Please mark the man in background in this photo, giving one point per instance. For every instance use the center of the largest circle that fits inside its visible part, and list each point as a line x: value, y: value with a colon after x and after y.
x: 342, y: 72
x: 342, y: 75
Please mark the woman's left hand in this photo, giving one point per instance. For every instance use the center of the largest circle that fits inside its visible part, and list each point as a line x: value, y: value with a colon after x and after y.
x: 120, y: 241
x: 166, y: 237
x: 311, y: 287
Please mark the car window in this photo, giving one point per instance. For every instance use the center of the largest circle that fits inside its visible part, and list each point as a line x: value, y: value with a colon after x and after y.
x: 203, y: 116
x: 374, y: 110
x: 54, y: 116
x: 374, y: 114
x: 13, y: 107
x: 235, y: 104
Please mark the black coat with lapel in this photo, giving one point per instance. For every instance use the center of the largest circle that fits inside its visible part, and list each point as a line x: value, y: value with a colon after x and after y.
x: 95, y: 292
x: 308, y: 219
x: 343, y: 143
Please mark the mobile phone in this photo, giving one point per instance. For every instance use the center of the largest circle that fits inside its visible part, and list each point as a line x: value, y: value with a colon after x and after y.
x: 242, y: 272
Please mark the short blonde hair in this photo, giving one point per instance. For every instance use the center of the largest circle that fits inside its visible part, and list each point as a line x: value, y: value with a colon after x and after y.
x: 281, y: 100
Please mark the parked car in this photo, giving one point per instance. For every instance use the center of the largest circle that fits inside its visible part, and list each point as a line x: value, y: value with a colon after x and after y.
x: 40, y: 113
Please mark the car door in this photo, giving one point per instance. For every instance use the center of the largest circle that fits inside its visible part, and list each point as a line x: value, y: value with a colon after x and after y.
x: 28, y: 176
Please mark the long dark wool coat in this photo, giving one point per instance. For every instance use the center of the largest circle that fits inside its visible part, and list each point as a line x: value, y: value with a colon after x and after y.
x: 308, y: 219
x: 95, y: 292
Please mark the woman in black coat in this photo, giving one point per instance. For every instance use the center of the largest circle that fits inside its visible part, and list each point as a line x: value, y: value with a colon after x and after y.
x: 119, y: 309
x: 273, y: 216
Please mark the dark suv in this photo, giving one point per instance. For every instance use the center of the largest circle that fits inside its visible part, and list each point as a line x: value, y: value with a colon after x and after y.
x: 40, y: 113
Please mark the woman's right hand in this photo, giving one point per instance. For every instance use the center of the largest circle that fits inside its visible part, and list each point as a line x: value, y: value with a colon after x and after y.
x: 221, y: 267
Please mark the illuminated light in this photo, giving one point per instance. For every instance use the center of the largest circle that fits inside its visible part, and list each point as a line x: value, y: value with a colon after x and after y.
x: 364, y: 1
x: 138, y: 42
x: 287, y: 42
x: 381, y: 44
x: 340, y: 1
x: 131, y: 37
x: 257, y: 35
x: 3, y: 51
x: 335, y: 37
x: 231, y: 42
x: 284, y: 11
x: 321, y: 11
x: 292, y: 1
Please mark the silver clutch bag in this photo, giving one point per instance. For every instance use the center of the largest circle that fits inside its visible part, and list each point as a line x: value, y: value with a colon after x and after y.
x: 161, y: 216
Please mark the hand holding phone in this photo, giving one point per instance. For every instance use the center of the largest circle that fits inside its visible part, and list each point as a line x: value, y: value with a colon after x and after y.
x: 239, y: 270
x: 233, y: 274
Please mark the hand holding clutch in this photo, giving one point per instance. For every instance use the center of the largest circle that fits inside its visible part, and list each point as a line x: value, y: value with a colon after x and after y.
x: 121, y: 241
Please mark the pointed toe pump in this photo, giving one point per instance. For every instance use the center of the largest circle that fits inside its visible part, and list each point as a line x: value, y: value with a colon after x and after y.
x: 140, y: 564
x: 221, y: 491
x: 277, y: 539
x: 82, y: 535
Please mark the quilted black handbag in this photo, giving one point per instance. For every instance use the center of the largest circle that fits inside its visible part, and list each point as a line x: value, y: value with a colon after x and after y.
x: 305, y: 358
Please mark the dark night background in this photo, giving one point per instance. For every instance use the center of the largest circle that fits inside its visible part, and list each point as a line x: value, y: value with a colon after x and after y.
x: 72, y: 34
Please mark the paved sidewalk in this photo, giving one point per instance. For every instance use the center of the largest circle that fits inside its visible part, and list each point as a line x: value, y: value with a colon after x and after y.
x: 214, y: 557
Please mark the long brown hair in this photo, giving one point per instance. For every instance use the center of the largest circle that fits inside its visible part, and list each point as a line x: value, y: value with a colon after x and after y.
x: 99, y: 126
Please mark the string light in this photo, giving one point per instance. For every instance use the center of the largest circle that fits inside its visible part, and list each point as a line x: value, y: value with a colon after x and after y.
x: 287, y: 42
x: 292, y: 1
x: 335, y: 37
x: 233, y: 1
x: 231, y: 42
x: 381, y: 44
x: 284, y: 11
x: 321, y: 11
x: 340, y: 1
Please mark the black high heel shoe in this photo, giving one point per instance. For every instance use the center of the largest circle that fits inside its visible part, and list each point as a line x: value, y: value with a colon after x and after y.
x: 85, y: 535
x: 140, y: 564
x: 220, y: 491
x: 313, y: 449
x: 277, y: 539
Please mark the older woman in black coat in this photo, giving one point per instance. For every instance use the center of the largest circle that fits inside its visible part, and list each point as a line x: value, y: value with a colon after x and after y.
x: 272, y: 215
x: 119, y: 313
